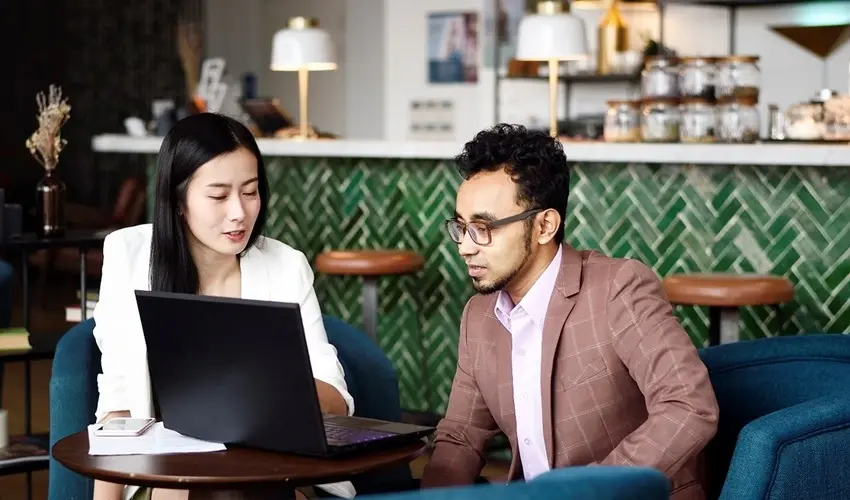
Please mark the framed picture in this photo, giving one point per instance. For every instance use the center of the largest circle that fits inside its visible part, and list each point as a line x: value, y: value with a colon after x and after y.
x: 453, y: 47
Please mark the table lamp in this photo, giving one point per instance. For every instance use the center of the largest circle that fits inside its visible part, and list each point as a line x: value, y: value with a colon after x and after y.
x: 552, y: 35
x: 302, y: 46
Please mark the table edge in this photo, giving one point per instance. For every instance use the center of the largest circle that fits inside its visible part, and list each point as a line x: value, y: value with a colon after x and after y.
x: 213, y: 482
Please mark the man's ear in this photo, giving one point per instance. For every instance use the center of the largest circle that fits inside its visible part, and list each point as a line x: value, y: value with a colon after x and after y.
x: 548, y: 223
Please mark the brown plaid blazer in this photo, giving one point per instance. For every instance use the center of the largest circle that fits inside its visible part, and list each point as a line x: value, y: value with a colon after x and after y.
x: 622, y: 382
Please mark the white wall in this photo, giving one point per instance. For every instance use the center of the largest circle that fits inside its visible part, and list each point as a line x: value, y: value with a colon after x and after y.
x: 406, y: 75
x: 383, y: 59
x: 790, y: 74
x: 241, y: 32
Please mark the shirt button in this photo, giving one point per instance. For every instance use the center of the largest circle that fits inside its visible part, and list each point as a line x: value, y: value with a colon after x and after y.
x: 520, y: 352
x: 527, y: 441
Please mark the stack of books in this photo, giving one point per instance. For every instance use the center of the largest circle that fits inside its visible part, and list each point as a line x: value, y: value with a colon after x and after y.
x: 73, y: 314
x: 14, y: 339
x: 23, y: 449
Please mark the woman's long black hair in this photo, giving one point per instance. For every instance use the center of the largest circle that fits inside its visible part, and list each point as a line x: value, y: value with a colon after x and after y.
x: 191, y: 143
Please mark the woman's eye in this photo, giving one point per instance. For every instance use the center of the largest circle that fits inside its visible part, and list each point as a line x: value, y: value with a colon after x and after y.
x: 218, y: 198
x: 252, y: 193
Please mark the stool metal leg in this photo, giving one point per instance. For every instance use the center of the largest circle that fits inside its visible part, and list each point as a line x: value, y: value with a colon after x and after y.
x: 370, y: 306
x: 713, y: 326
x: 730, y: 329
x: 723, y: 325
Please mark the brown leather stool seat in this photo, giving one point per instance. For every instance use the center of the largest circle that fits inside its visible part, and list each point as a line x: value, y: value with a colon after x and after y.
x: 724, y: 293
x: 369, y: 264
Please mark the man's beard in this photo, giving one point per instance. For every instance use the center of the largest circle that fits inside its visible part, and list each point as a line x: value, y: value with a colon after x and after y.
x: 501, y: 282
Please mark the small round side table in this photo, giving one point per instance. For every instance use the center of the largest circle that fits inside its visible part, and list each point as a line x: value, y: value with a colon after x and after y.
x: 250, y: 472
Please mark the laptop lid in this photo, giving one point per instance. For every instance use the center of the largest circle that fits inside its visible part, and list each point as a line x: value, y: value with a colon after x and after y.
x: 234, y: 371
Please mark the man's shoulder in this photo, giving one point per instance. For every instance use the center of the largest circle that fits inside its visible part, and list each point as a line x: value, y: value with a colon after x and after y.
x: 601, y: 272
x: 481, y: 304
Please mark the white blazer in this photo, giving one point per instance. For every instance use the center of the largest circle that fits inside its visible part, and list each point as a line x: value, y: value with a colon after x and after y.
x: 271, y: 270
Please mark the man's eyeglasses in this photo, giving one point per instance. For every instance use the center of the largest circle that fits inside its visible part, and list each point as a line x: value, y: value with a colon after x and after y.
x: 480, y: 231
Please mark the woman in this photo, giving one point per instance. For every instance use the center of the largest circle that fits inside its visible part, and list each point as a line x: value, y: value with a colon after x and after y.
x: 210, y: 208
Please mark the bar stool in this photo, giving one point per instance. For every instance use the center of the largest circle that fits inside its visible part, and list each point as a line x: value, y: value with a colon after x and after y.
x: 723, y: 294
x: 369, y: 265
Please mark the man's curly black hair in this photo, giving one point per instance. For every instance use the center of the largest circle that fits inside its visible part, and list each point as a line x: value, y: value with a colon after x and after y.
x: 534, y: 160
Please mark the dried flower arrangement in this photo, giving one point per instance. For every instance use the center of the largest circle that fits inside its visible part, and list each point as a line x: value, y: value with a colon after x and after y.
x: 46, y: 142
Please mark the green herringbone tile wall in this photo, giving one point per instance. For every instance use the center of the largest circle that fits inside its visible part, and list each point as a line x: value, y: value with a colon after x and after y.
x: 792, y: 221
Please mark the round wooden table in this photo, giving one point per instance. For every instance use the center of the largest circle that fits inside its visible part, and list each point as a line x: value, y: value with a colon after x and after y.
x: 248, y: 471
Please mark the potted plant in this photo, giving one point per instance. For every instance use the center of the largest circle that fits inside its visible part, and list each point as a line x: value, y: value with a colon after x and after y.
x: 45, y: 144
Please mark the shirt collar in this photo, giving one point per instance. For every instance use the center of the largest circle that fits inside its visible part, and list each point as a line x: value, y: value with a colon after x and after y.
x: 536, y: 301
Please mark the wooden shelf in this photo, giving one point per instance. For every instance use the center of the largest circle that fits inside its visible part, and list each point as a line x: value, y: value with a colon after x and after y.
x: 614, y: 78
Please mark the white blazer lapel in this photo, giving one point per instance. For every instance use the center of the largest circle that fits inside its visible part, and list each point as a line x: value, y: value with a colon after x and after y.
x: 255, y: 275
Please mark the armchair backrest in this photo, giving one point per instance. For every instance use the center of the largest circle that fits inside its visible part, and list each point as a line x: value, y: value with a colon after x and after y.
x: 591, y: 483
x: 752, y: 379
x: 73, y: 399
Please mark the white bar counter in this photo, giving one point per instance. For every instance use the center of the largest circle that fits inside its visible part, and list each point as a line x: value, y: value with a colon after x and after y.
x: 586, y: 152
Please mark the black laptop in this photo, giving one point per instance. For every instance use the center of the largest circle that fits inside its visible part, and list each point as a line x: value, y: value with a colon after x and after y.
x: 237, y: 371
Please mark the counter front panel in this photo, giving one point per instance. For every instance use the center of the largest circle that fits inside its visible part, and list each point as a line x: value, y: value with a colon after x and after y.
x: 789, y: 220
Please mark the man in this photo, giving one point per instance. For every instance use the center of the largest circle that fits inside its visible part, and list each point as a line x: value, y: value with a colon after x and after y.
x: 575, y: 356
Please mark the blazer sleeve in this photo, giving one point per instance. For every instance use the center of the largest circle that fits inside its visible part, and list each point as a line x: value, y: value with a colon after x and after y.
x: 664, y: 363
x: 323, y: 355
x: 117, y: 333
x: 465, y: 430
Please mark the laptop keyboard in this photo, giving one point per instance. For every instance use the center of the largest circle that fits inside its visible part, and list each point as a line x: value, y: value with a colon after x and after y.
x: 339, y: 435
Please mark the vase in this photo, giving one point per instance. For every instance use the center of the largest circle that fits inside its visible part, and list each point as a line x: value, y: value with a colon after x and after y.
x: 612, y: 38
x: 50, y: 206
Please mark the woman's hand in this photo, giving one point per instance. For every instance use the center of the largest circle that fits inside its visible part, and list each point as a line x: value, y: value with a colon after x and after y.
x: 330, y: 400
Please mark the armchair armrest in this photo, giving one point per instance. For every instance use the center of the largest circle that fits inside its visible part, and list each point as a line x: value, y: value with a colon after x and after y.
x: 796, y: 452
x: 610, y: 482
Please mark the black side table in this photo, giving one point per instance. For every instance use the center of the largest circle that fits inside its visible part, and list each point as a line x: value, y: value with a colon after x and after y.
x: 44, y: 346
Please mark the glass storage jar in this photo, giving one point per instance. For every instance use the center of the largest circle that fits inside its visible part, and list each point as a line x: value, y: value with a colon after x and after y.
x: 699, y: 120
x: 804, y: 122
x: 836, y: 119
x: 659, y: 119
x: 659, y: 78
x: 738, y: 119
x: 622, y: 121
x: 738, y: 76
x: 696, y: 77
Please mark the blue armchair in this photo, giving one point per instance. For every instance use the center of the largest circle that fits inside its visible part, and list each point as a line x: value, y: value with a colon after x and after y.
x: 784, y: 422
x: 7, y: 287
x: 370, y: 377
x: 586, y: 483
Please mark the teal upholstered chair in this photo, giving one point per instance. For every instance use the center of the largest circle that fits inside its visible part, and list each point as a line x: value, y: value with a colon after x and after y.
x: 7, y: 288
x: 585, y: 483
x: 784, y: 430
x: 369, y: 375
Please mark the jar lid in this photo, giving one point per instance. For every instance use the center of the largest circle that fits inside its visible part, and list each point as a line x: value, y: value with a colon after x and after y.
x: 696, y: 100
x: 744, y: 100
x: 660, y: 100
x: 615, y: 103
x: 705, y: 59
x: 740, y: 59
x: 669, y: 60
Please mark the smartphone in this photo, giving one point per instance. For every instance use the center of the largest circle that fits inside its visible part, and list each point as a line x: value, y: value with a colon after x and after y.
x: 124, y: 427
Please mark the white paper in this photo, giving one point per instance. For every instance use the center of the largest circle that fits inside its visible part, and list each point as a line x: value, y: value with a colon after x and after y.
x: 157, y: 440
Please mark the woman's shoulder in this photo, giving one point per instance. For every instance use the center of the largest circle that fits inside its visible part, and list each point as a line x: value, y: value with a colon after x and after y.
x: 132, y: 238
x: 279, y: 251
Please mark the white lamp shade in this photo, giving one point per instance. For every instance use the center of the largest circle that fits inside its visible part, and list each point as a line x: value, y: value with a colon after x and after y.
x: 543, y: 37
x: 310, y: 48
